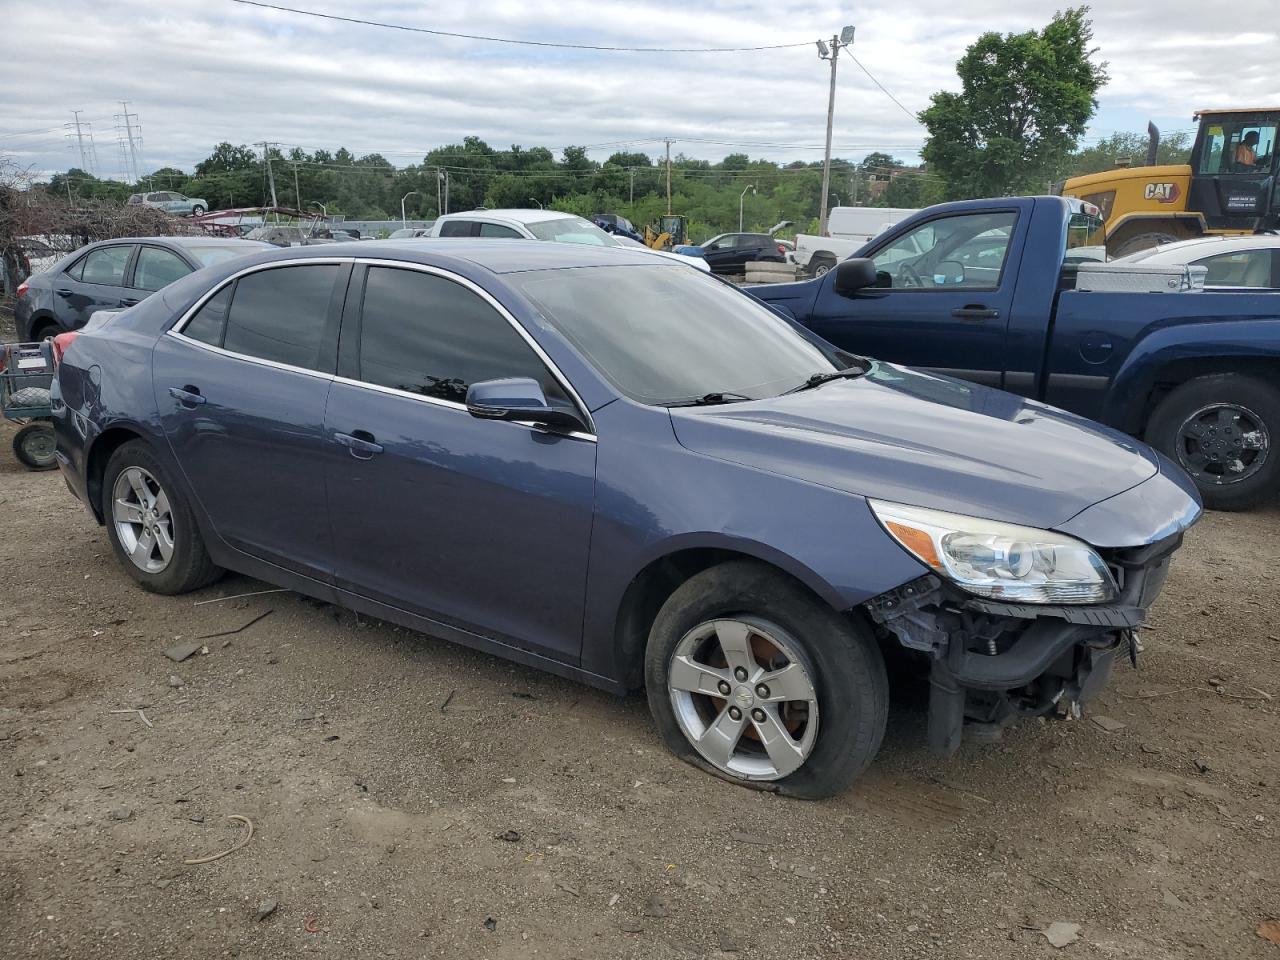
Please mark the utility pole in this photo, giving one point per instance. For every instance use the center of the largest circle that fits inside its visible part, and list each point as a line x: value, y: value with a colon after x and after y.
x: 129, y: 137
x: 83, y: 132
x: 668, y: 178
x: 297, y: 194
x: 271, y: 177
x: 631, y: 196
x: 843, y: 39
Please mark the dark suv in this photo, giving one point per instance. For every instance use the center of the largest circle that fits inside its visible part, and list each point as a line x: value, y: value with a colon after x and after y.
x: 113, y: 274
x: 731, y: 252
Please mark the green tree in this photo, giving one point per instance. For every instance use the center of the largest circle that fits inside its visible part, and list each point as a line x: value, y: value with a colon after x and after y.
x: 1024, y: 102
x: 1107, y: 153
x: 225, y: 157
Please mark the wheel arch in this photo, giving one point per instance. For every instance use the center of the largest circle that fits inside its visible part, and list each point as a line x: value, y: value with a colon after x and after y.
x: 104, y: 445
x: 1184, y: 226
x: 649, y: 589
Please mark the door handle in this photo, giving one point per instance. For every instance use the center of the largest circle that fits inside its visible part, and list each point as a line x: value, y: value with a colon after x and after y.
x: 128, y: 303
x: 975, y: 311
x: 188, y: 396
x: 64, y: 293
x: 360, y: 443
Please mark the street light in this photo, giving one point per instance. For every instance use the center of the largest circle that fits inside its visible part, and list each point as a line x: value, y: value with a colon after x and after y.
x: 323, y: 208
x: 741, y: 197
x: 404, y: 221
x: 537, y: 201
x: 832, y: 53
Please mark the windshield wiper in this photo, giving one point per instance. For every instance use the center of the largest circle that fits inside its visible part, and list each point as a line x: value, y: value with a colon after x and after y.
x: 818, y: 379
x: 709, y: 399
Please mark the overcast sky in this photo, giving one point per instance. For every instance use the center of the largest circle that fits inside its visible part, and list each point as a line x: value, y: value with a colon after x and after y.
x: 201, y: 71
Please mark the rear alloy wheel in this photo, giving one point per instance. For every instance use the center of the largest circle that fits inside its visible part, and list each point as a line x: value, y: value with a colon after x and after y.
x: 1221, y: 429
x: 34, y: 446
x: 197, y: 210
x: 751, y: 677
x: 151, y: 526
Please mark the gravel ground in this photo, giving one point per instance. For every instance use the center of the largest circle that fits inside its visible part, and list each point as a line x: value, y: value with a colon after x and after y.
x: 413, y: 799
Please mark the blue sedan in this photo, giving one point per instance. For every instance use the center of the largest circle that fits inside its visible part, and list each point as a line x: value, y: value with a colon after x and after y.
x: 624, y: 472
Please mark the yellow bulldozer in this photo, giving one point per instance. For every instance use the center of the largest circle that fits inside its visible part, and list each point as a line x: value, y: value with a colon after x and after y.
x: 1229, y: 187
x: 671, y: 231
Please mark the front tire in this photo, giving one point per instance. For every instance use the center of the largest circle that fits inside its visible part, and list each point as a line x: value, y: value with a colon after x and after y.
x: 197, y: 210
x: 150, y: 524
x: 752, y: 678
x: 1221, y: 429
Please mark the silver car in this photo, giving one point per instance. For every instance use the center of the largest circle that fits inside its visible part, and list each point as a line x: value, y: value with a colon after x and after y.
x: 171, y: 202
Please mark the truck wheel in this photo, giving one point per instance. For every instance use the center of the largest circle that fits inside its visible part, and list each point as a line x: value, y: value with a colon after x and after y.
x: 1144, y: 241
x: 1220, y: 429
x: 821, y: 263
x: 755, y: 680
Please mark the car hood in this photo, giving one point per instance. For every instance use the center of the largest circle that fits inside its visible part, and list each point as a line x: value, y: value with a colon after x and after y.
x: 910, y: 437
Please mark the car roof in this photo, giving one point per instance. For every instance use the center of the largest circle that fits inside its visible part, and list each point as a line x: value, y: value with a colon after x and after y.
x: 1184, y: 251
x: 494, y: 256
x: 515, y: 213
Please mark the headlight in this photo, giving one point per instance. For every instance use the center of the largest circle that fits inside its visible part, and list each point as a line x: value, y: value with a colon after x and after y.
x: 1000, y: 560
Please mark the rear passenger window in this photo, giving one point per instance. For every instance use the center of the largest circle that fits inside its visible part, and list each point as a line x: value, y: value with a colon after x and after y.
x: 106, y: 265
x: 428, y: 335
x: 208, y: 323
x: 497, y: 230
x: 457, y: 228
x: 157, y: 268
x: 281, y: 314
x: 76, y: 270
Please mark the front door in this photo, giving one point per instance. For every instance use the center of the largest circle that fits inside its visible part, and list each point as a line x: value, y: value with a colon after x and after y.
x: 241, y: 389
x: 942, y: 300
x: 481, y: 524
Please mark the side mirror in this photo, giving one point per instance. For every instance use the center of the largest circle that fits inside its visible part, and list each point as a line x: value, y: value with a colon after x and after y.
x: 518, y: 400
x: 854, y: 275
x: 949, y: 273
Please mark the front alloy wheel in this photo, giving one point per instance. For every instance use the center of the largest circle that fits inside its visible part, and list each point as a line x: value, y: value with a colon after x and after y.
x: 143, y: 519
x: 743, y: 698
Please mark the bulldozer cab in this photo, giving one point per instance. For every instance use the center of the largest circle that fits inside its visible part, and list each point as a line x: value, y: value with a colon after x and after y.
x: 671, y: 230
x: 1233, y: 169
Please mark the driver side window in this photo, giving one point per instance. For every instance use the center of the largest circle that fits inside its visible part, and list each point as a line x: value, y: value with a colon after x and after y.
x: 965, y: 252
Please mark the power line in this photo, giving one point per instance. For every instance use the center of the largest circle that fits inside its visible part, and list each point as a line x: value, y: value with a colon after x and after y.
x: 883, y: 90
x: 522, y: 43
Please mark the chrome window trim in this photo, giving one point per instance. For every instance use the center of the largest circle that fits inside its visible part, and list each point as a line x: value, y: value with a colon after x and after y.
x: 176, y: 329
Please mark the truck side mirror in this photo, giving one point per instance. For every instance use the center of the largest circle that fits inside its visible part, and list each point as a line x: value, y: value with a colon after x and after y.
x: 853, y: 275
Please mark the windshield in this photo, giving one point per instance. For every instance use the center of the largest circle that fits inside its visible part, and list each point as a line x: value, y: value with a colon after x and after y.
x: 208, y: 254
x: 665, y: 334
x: 571, y: 230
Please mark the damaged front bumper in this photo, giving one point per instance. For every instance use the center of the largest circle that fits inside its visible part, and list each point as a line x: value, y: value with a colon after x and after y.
x: 992, y: 662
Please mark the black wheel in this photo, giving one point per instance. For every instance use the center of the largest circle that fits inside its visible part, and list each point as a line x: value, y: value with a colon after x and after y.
x: 1144, y: 241
x: 753, y: 679
x: 150, y: 524
x: 197, y: 210
x: 821, y: 264
x: 1220, y: 429
x: 34, y: 444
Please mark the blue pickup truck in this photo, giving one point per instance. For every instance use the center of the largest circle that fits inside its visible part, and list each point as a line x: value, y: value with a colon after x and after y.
x: 985, y: 290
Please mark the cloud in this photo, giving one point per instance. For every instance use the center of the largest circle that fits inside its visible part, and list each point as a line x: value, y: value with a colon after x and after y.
x: 200, y: 72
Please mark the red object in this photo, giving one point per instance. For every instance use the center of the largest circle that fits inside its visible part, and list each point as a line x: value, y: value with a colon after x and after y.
x: 60, y: 344
x: 22, y: 288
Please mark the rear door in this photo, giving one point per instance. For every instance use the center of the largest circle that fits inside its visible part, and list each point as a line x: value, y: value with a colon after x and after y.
x: 723, y: 254
x: 241, y: 386
x: 98, y: 281
x: 942, y: 301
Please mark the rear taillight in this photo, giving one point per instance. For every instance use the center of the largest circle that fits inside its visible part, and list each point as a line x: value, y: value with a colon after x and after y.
x: 60, y: 344
x: 22, y: 288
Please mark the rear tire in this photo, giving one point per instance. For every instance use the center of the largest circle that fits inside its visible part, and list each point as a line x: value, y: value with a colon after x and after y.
x: 821, y: 264
x: 44, y: 329
x: 836, y: 692
x: 1221, y: 429
x: 143, y: 505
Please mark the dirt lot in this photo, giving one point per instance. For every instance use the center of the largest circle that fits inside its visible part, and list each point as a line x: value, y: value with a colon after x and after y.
x: 379, y: 769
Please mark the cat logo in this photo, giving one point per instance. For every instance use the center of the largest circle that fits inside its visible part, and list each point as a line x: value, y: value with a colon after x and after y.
x: 1162, y: 192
